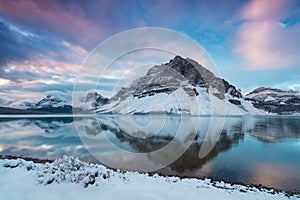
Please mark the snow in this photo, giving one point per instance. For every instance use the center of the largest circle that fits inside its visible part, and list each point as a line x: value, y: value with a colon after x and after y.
x: 179, y: 102
x: 69, y: 178
x: 53, y: 100
x: 270, y: 98
x: 90, y: 100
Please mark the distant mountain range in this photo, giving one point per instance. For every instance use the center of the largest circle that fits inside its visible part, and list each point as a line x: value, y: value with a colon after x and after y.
x: 181, y: 86
x: 275, y: 100
x: 49, y: 104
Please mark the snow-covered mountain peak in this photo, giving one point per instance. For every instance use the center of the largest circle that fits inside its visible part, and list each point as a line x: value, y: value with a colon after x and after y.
x: 52, y: 101
x: 92, y: 100
x: 177, y: 87
x: 178, y: 72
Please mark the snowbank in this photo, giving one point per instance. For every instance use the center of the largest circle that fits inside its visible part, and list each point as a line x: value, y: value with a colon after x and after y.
x: 69, y: 178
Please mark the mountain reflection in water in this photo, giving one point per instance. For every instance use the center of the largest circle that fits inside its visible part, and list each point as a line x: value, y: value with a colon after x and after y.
x: 257, y: 150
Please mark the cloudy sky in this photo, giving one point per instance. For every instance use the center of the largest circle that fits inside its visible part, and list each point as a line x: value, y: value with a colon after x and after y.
x: 43, y: 43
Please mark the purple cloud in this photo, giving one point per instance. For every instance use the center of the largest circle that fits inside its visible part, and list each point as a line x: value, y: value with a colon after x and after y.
x: 264, y: 41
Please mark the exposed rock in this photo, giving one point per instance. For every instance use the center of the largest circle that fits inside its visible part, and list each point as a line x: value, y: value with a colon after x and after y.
x: 95, y: 99
x: 219, y: 95
x: 234, y: 101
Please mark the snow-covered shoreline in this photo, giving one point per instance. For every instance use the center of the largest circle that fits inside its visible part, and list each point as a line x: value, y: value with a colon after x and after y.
x: 71, y: 178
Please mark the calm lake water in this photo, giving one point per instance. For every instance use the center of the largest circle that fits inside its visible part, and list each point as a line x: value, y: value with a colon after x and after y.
x: 251, y: 150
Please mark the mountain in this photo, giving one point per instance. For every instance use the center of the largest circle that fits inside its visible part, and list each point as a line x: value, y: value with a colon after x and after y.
x: 93, y: 100
x: 58, y: 104
x: 181, y: 86
x: 51, y: 101
x: 275, y: 100
x: 52, y: 104
x: 49, y: 104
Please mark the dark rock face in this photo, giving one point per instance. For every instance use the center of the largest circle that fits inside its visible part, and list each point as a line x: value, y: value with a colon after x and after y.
x: 275, y: 100
x: 96, y: 99
x: 274, y: 107
x: 234, y: 101
x: 198, y: 75
x: 189, y: 71
x: 219, y: 95
x: 151, y: 89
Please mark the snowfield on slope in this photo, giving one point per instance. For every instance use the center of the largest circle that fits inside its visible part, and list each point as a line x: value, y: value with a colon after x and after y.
x: 179, y: 102
x: 69, y: 178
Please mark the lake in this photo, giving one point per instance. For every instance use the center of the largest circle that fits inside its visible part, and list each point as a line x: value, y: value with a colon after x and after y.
x: 251, y: 150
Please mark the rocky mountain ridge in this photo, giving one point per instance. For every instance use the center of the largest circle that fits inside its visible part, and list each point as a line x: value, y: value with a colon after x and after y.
x: 275, y: 100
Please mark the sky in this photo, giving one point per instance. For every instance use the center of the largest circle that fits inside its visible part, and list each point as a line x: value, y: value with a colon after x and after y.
x: 43, y: 43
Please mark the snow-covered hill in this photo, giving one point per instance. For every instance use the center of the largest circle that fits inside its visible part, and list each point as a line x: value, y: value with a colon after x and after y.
x: 275, y: 100
x: 181, y: 86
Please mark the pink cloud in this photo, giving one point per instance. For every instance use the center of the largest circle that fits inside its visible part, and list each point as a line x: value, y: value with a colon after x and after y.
x: 43, y: 65
x: 264, y: 9
x: 68, y: 23
x: 263, y: 41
